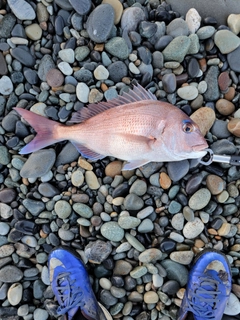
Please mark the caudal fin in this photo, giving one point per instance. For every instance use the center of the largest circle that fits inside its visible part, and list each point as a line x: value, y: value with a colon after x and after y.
x: 44, y: 127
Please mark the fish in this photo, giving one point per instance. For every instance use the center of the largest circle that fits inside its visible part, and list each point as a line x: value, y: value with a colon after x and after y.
x: 135, y: 127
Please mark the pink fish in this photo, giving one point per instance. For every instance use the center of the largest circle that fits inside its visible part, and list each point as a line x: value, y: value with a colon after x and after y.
x: 134, y: 127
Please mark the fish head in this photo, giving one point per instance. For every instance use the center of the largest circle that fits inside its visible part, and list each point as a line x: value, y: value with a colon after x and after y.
x: 191, y: 142
x: 183, y: 138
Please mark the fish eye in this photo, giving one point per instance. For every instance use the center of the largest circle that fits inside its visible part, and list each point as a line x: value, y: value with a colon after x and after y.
x: 188, y: 126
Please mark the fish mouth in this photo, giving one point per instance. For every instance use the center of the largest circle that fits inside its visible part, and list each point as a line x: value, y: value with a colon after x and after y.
x: 200, y: 147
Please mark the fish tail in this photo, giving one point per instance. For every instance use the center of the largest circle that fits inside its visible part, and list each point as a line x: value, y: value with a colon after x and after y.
x: 46, y: 131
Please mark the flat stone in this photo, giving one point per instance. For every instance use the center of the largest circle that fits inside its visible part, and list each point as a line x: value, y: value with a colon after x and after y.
x: 226, y: 41
x: 112, y: 231
x: 193, y: 228
x: 10, y: 274
x: 205, y: 32
x: 134, y: 242
x: 91, y: 180
x: 225, y: 107
x: 151, y: 255
x: 14, y: 294
x: 23, y: 56
x: 169, y: 82
x: 175, y: 271
x: 6, y: 25
x: 54, y: 78
x: 82, y: 91
x: 117, y: 47
x: 215, y: 184
x: 177, y: 170
x: 33, y: 168
x: 100, y: 23
x: 177, y: 27
x: 182, y: 257
x: 22, y: 9
x: 62, y: 209
x: 211, y: 78
x: 33, y: 31
x: 177, y: 49
x: 98, y: 251
x: 83, y: 210
x: 81, y: 7
x: 187, y: 92
x: 178, y: 221
x: 128, y: 222
x: 200, y: 199
x: 122, y: 268
x: 6, y: 86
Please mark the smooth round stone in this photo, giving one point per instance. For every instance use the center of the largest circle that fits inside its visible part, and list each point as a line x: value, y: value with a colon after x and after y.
x: 199, y: 199
x: 223, y: 146
x: 233, y: 305
x: 10, y: 274
x: 77, y: 178
x: 175, y: 271
x: 81, y: 53
x: 182, y: 257
x: 40, y: 314
x: 150, y: 255
x: 177, y: 27
x: 4, y: 155
x: 225, y: 107
x: 139, y: 187
x: 62, y: 209
x: 226, y: 41
x: 112, y: 231
x: 138, y: 272
x: 65, y: 235
x: 169, y: 82
x: 178, y: 221
x: 193, y: 228
x: 4, y: 228
x: 131, y: 18
x: 224, y: 81
x: 65, y: 68
x: 128, y: 222
x: 233, y: 22
x: 234, y: 126
x: 101, y: 73
x: 33, y: 168
x: 23, y: 56
x: 205, y: 32
x: 6, y: 86
x: 193, y: 20
x: 204, y: 117
x: 177, y: 170
x: 122, y: 268
x: 82, y: 91
x: 220, y: 129
x: 193, y: 183
x: 177, y: 49
x: 215, y: 184
x: 188, y: 92
x: 66, y: 55
x: 118, y: 9
x: 193, y: 68
x: 211, y: 78
x: 167, y: 245
x: 7, y: 195
x: 133, y: 68
x: 91, y: 180
x: 14, y: 294
x: 174, y: 207
x: 133, y: 202
x: 150, y: 297
x: 81, y: 7
x: 23, y: 310
x: 202, y: 87
x: 22, y: 9
x: 224, y: 229
x: 30, y: 241
x: 33, y: 32
x: 117, y: 47
x: 117, y: 71
x: 3, y: 65
x: 134, y: 242
x: 100, y: 23
x: 83, y: 210
x: 145, y: 226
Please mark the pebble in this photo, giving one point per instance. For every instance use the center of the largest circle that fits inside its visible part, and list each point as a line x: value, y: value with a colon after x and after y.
x: 32, y: 168
x: 10, y: 274
x: 226, y: 41
x: 225, y: 107
x: 193, y: 228
x: 100, y: 23
x: 175, y: 271
x: 182, y: 257
x: 177, y: 170
x: 82, y: 7
x: 101, y: 73
x: 233, y: 305
x: 62, y: 209
x: 6, y: 86
x: 187, y: 92
x: 23, y: 56
x: 193, y: 20
x: 200, y: 199
x: 14, y: 294
x: 112, y: 231
x: 3, y: 65
x: 151, y: 297
x: 66, y: 55
x: 118, y: 9
x: 117, y: 47
x: 205, y: 32
x: 134, y: 242
x: 177, y: 49
x: 215, y: 184
x: 233, y: 22
x: 204, y: 117
x: 22, y: 9
x: 77, y: 178
x: 128, y: 222
x: 178, y: 221
x: 234, y: 127
x: 33, y: 32
x: 82, y: 91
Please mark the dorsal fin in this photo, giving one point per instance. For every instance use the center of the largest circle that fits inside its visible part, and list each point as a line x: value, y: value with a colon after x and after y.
x: 138, y: 93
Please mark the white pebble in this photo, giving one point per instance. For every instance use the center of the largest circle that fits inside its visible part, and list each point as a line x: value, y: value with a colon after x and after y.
x: 193, y: 20
x: 188, y: 92
x: 6, y: 86
x: 133, y: 68
x: 67, y: 55
x: 82, y: 92
x: 65, y: 68
x: 233, y: 305
x: 15, y: 294
x: 101, y: 73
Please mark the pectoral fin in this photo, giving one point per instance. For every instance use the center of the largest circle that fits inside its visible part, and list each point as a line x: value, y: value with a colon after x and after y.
x: 134, y: 164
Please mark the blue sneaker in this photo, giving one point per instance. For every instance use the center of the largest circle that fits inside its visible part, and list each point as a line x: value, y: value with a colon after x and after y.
x: 71, y: 286
x: 208, y: 288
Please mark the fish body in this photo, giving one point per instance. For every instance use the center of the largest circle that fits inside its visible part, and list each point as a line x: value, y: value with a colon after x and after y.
x: 134, y: 127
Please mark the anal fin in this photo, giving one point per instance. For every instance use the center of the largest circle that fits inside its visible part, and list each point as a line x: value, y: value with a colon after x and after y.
x: 87, y: 153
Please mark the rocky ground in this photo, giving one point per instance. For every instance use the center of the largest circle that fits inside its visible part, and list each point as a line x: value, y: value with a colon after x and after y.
x: 138, y: 231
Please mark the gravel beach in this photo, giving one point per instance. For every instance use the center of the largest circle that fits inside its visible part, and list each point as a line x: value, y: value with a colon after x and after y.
x: 137, y: 231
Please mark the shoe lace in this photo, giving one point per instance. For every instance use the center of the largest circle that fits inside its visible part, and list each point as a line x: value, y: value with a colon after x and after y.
x: 69, y: 294
x: 204, y: 298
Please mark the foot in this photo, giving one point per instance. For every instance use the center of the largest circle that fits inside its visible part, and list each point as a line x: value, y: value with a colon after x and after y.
x: 208, y: 288
x: 71, y: 286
